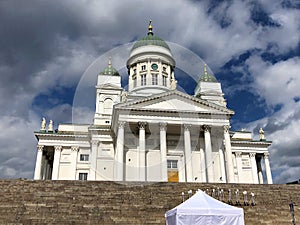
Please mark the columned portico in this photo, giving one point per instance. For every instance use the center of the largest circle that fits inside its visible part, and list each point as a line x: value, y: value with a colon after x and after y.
x: 119, y: 157
x: 188, y: 153
x: 238, y: 157
x: 142, y: 151
x: 163, y: 151
x: 203, y: 165
x: 208, y: 154
x: 260, y: 174
x: 74, y: 153
x: 222, y: 166
x: 38, y: 163
x: 57, y: 153
x: 268, y: 169
x: 93, y: 168
x: 228, y: 152
x: 254, y: 167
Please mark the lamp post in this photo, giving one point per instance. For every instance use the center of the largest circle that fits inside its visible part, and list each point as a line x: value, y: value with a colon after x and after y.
x: 292, y: 212
x: 237, y: 196
x: 190, y: 193
x: 252, y: 199
x: 245, y: 198
x: 229, y: 197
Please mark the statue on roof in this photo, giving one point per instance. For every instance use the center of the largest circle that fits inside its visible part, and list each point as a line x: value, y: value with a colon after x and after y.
x: 261, y: 134
x: 50, y: 127
x: 43, y: 124
x: 124, y: 96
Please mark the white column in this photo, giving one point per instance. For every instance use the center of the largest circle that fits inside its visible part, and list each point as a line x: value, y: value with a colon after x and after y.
x: 188, y: 153
x: 203, y: 166
x: 260, y: 174
x: 228, y: 152
x: 43, y: 169
x: 74, y: 153
x: 142, y: 151
x: 93, y: 166
x: 38, y: 162
x: 55, y: 171
x: 208, y: 154
x: 254, y: 167
x: 268, y: 169
x: 163, y: 152
x: 48, y: 175
x: 119, y: 157
x: 222, y: 166
x: 238, y: 156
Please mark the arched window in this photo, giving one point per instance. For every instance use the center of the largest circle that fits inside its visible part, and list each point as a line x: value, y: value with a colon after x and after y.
x: 108, y: 105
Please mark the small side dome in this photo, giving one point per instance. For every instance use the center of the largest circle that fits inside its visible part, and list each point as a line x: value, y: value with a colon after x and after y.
x: 206, y: 77
x: 150, y: 39
x: 110, y: 70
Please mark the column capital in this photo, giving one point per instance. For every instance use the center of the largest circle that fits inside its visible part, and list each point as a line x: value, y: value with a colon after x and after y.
x: 206, y: 128
x: 40, y: 147
x: 226, y: 128
x: 94, y: 142
x: 142, y: 125
x: 252, y: 154
x: 163, y: 126
x: 187, y: 126
x: 74, y: 148
x: 238, y: 154
x: 266, y: 155
x: 121, y: 124
x: 57, y: 147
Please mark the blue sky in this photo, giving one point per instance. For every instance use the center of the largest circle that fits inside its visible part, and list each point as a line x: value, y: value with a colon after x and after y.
x: 252, y: 47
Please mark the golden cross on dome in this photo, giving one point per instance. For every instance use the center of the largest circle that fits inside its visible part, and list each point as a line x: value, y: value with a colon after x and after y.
x: 150, y: 27
x: 205, y: 69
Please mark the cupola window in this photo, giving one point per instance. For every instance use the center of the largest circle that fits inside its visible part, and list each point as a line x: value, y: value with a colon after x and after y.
x: 143, y: 67
x: 143, y: 79
x: 154, y: 79
x: 164, y: 81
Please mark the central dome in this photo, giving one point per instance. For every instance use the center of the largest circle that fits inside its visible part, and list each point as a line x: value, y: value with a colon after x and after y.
x: 150, y: 39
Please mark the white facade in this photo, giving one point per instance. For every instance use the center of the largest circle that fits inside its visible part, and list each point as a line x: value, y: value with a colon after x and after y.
x: 153, y: 132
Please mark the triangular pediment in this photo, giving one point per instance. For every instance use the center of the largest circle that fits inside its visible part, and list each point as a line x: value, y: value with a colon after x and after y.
x: 108, y: 86
x: 175, y: 101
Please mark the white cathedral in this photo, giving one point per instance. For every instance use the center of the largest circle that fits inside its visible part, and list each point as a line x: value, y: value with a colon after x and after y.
x: 153, y: 132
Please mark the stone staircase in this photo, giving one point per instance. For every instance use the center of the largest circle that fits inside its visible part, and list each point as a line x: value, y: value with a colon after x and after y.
x: 96, y: 202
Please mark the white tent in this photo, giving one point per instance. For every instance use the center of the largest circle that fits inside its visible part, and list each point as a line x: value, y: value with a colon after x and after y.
x: 205, y: 210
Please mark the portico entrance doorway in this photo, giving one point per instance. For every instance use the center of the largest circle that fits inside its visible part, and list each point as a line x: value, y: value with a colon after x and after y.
x: 173, y: 171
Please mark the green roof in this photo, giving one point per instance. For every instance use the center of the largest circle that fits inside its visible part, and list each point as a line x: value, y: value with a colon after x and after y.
x: 150, y: 39
x: 110, y: 70
x: 206, y: 77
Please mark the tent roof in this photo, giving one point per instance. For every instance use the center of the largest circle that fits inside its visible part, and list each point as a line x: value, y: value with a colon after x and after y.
x: 202, y: 204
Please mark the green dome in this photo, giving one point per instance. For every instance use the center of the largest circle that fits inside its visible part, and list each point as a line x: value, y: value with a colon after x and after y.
x: 206, y: 77
x: 150, y: 39
x: 110, y: 70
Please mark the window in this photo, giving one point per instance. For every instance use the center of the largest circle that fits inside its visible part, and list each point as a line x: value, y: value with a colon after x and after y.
x: 84, y: 157
x: 172, y: 164
x: 144, y: 67
x: 108, y: 105
x: 164, y: 69
x: 143, y: 79
x: 134, y: 71
x: 154, y: 79
x: 83, y: 176
x: 164, y: 81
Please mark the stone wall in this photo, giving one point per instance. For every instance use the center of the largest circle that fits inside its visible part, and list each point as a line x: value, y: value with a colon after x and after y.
x: 89, y: 202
